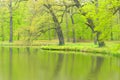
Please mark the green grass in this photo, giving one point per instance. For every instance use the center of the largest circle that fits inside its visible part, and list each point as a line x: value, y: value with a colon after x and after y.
x: 111, y: 48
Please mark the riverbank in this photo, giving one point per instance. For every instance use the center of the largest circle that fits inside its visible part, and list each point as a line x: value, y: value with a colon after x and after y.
x: 111, y: 48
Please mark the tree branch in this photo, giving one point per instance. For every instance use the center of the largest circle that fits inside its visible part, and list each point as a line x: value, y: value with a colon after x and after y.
x: 116, y: 10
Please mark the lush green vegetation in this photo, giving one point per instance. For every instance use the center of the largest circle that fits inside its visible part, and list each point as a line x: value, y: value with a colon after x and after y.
x: 82, y: 25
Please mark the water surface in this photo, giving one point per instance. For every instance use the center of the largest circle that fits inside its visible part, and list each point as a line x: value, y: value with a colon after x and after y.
x: 36, y: 64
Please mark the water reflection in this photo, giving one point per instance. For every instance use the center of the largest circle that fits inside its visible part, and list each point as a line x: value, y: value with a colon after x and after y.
x: 36, y: 50
x: 2, y: 50
x: 18, y: 50
x: 58, y: 65
x: 28, y: 50
x: 95, y: 68
x: 55, y: 66
x: 10, y: 63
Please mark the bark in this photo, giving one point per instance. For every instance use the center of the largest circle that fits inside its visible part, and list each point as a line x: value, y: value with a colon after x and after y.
x: 74, y: 38
x: 111, y: 35
x: 57, y: 25
x: 77, y: 3
x: 101, y: 43
x: 92, y: 26
x: 11, y: 22
x: 95, y: 40
x: 18, y: 38
x: 60, y: 35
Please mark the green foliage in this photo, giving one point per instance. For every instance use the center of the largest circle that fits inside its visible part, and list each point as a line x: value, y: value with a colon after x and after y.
x: 31, y: 19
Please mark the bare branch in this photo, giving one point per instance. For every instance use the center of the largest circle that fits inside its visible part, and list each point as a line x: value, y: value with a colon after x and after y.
x: 63, y: 14
x: 41, y: 32
x: 116, y: 10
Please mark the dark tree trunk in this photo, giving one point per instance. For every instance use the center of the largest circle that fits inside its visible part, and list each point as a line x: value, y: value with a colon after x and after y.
x: 60, y: 35
x: 18, y: 38
x: 95, y: 40
x: 92, y: 26
x: 77, y: 3
x: 11, y: 22
x: 74, y: 38
x: 57, y: 25
x: 100, y: 42
x: 111, y: 35
x: 96, y: 37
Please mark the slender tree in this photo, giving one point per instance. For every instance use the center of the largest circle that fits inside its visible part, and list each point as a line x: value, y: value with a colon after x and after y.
x: 11, y: 21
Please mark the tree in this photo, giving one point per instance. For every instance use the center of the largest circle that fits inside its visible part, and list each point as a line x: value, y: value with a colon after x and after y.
x: 57, y: 24
x: 11, y: 21
x: 95, y: 17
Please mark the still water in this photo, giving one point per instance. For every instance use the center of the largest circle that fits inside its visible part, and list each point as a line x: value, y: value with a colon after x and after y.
x: 36, y: 64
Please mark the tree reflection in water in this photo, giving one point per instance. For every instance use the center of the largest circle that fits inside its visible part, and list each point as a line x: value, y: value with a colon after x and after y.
x: 10, y: 63
x: 58, y: 65
x: 28, y: 50
x: 95, y: 68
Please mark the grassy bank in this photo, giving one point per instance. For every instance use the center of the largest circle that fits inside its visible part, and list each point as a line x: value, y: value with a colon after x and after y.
x: 111, y: 48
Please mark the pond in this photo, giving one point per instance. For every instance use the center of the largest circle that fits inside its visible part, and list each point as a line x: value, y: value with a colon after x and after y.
x: 36, y: 64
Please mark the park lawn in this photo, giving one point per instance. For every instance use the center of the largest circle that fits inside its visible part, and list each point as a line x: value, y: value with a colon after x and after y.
x: 111, y: 48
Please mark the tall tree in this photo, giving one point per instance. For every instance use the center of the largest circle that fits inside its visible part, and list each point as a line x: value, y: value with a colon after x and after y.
x: 57, y: 23
x: 11, y: 21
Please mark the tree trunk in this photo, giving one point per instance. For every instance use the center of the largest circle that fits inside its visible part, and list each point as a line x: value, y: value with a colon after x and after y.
x: 2, y: 32
x: 111, y: 36
x: 95, y: 40
x: 92, y: 26
x: 57, y: 25
x: 100, y: 42
x: 74, y: 38
x: 18, y: 38
x: 60, y: 35
x: 11, y: 22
